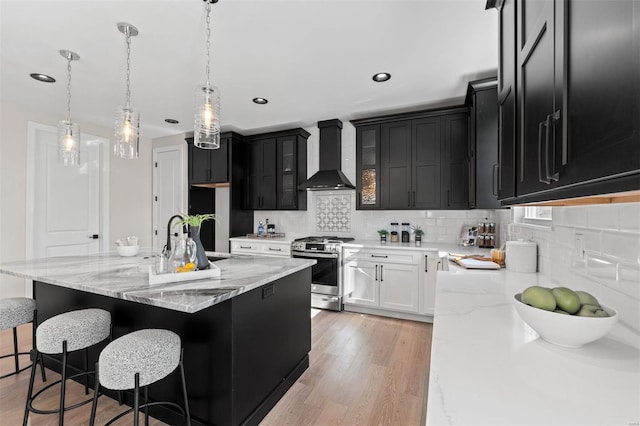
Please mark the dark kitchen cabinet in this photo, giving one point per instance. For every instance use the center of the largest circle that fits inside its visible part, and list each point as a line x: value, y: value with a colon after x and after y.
x: 209, y: 165
x: 507, y: 119
x: 261, y: 176
x: 277, y: 164
x: 577, y: 98
x: 414, y: 160
x: 482, y: 98
x: 368, y: 166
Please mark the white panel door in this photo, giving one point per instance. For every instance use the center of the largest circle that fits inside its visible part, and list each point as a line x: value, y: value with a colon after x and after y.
x: 168, y: 190
x: 361, y: 283
x: 399, y: 285
x: 66, y: 214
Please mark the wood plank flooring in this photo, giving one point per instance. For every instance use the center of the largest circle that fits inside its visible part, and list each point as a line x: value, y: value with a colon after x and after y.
x: 364, y: 370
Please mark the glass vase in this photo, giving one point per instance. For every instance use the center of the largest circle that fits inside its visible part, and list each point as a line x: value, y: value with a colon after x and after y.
x: 201, y: 255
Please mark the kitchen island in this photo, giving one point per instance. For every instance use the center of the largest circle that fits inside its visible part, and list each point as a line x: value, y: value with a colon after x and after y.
x: 246, y: 334
x: 489, y: 368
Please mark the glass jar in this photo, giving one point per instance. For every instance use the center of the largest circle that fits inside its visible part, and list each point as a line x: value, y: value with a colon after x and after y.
x: 405, y: 232
x: 394, y: 232
x: 183, y: 254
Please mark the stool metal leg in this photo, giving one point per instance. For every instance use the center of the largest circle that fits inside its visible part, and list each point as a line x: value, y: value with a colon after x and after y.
x: 34, y: 324
x: 30, y: 391
x: 86, y: 368
x: 146, y: 406
x: 94, y: 405
x: 63, y: 383
x: 136, y: 400
x: 184, y: 390
x: 15, y: 348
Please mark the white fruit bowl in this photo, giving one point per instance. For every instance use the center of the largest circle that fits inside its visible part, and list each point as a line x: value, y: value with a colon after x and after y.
x: 127, y: 250
x: 570, y: 331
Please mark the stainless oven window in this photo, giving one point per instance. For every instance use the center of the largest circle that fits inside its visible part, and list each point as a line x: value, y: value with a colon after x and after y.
x: 325, y: 272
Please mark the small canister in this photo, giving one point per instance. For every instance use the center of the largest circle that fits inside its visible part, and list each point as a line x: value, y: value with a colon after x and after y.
x: 521, y: 256
x: 405, y: 232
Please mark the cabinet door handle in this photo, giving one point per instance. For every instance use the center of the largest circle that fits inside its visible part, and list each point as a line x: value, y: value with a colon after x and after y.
x: 552, y: 173
x: 381, y: 266
x: 541, y: 154
x: 245, y: 247
x: 383, y: 256
x: 494, y: 181
x: 426, y: 263
x: 376, y: 273
x: 274, y: 249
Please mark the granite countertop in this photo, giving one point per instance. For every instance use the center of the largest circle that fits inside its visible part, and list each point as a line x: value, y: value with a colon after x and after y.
x: 283, y: 240
x: 489, y: 367
x: 127, y: 278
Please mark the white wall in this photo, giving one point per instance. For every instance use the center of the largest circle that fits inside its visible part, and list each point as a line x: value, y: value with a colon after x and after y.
x: 130, y: 188
x: 607, y: 261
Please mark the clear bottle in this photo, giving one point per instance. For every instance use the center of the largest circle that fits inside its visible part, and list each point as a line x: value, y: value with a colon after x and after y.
x: 260, y: 229
x: 394, y: 232
x: 184, y: 253
x: 405, y: 232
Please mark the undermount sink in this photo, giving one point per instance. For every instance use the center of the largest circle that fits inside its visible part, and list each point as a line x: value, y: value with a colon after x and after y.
x: 216, y: 258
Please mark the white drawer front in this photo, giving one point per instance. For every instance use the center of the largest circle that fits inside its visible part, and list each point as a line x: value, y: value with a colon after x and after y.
x: 244, y: 247
x: 382, y: 256
x: 275, y: 249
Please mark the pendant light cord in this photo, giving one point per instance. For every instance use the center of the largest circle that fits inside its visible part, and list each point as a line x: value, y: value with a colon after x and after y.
x: 128, y: 94
x: 69, y: 58
x: 208, y: 46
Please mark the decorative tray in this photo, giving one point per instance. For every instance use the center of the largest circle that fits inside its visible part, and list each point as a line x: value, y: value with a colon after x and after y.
x: 173, y: 277
x: 266, y: 236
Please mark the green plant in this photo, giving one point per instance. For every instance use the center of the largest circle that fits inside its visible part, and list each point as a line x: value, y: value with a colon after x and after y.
x: 417, y: 231
x: 195, y: 219
x: 383, y: 232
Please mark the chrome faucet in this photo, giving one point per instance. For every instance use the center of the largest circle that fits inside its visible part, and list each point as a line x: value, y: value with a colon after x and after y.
x: 166, y: 251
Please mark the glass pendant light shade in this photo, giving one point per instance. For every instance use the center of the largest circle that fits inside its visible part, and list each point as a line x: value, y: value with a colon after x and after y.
x: 68, y: 143
x: 207, y: 119
x: 127, y: 133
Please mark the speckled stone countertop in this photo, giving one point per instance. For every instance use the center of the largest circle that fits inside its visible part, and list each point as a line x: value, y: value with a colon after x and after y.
x: 127, y: 278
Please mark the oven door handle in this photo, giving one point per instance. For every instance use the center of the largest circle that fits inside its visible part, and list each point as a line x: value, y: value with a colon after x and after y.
x: 307, y: 255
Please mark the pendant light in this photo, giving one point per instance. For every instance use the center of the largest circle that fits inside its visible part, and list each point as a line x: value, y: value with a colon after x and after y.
x: 207, y: 119
x: 68, y: 131
x: 127, y: 131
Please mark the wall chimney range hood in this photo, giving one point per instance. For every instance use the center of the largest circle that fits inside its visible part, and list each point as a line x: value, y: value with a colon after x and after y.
x: 329, y: 177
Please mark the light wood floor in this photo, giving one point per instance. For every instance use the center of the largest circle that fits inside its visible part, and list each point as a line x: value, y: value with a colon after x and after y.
x: 364, y: 370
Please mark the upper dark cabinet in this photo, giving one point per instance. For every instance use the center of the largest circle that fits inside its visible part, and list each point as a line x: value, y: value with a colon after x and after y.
x: 482, y: 98
x: 276, y: 165
x: 577, y: 98
x: 209, y: 165
x: 413, y: 161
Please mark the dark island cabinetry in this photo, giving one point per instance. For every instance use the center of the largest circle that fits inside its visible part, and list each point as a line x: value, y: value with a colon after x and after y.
x: 415, y: 160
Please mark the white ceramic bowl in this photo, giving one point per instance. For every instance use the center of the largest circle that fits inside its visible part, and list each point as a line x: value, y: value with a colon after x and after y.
x: 565, y: 330
x: 128, y: 250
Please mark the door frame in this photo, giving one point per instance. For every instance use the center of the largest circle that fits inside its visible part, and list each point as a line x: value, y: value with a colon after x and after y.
x: 31, y: 171
x: 183, y: 199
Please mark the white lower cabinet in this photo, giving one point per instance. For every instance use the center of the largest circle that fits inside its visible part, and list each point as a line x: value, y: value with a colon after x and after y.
x: 256, y: 247
x: 384, y: 281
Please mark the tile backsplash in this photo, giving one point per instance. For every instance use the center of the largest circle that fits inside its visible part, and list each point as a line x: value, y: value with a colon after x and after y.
x: 594, y: 248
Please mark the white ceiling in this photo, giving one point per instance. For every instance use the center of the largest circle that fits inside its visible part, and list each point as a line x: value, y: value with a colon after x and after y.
x: 312, y: 59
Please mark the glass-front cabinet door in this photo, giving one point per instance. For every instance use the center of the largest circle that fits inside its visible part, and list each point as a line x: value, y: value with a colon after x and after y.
x: 368, y: 167
x: 288, y: 194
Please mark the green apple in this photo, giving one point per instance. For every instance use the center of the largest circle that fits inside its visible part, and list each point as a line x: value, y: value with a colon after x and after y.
x: 560, y: 311
x: 587, y: 299
x: 592, y: 311
x: 566, y: 299
x: 539, y: 297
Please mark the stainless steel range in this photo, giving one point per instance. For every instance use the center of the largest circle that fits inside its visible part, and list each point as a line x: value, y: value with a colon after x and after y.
x: 326, y: 279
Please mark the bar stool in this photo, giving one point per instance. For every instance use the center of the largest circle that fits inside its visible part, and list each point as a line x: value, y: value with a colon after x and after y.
x: 63, y: 334
x: 136, y: 360
x: 17, y: 311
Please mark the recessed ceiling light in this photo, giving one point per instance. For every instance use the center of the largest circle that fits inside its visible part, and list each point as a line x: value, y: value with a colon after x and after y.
x: 43, y: 77
x: 171, y: 121
x: 381, y: 76
x: 260, y: 101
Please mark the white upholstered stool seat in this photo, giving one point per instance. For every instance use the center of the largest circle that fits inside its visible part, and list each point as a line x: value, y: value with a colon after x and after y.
x: 137, y: 360
x: 14, y: 312
x: 80, y: 329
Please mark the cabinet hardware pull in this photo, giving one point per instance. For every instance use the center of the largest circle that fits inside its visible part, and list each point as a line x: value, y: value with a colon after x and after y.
x: 384, y: 256
x: 540, y: 154
x: 245, y: 247
x: 426, y: 263
x: 381, y: 266
x: 552, y: 173
x: 494, y: 181
x: 376, y: 273
x: 275, y: 249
